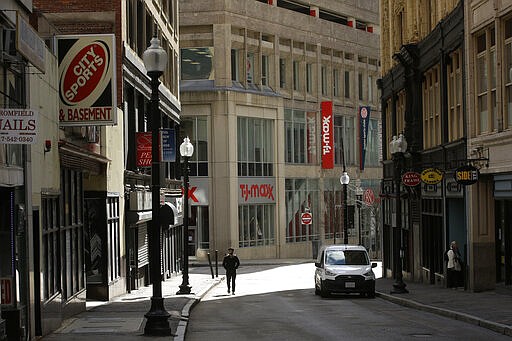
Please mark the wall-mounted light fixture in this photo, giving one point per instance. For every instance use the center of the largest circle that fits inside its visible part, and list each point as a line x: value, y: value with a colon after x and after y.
x: 47, y: 146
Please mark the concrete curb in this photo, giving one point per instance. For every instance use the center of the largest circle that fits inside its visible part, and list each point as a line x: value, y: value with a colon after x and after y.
x: 496, y: 327
x: 181, y: 330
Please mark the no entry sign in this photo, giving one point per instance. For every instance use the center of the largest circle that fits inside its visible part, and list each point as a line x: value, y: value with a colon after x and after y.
x: 306, y: 218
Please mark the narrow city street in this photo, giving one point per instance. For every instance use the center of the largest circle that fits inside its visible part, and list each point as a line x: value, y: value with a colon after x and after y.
x: 278, y: 303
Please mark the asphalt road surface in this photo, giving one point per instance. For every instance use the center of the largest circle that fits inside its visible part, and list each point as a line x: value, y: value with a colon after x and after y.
x: 278, y: 303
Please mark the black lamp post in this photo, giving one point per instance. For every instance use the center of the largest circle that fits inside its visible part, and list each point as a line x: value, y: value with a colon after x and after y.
x: 345, y: 179
x: 398, y: 147
x: 186, y: 151
x: 155, y: 61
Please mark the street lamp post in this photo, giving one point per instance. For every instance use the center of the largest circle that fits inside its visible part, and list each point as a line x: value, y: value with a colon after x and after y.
x: 155, y: 61
x: 186, y: 151
x: 345, y: 179
x: 398, y: 147
x: 359, y: 197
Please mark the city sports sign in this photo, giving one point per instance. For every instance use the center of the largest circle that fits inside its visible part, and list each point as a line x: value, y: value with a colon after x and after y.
x: 87, y: 87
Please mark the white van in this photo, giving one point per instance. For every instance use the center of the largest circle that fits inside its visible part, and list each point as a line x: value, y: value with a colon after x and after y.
x: 344, y: 269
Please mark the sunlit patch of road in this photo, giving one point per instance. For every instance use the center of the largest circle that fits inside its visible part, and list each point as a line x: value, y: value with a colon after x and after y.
x: 296, y: 277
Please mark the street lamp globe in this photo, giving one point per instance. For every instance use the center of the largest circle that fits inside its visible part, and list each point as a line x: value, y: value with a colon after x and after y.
x: 186, y: 148
x: 392, y: 145
x: 155, y: 57
x: 344, y: 179
x: 401, y: 144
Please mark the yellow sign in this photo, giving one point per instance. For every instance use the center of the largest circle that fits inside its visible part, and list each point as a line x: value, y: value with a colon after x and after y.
x: 431, y: 176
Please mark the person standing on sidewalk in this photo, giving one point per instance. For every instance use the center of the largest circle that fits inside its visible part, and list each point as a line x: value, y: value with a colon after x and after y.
x: 454, y: 267
x: 231, y: 263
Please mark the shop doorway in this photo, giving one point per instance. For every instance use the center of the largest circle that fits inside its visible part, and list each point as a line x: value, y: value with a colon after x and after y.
x: 504, y: 241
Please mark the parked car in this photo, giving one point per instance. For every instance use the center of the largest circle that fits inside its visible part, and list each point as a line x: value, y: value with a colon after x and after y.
x: 344, y: 269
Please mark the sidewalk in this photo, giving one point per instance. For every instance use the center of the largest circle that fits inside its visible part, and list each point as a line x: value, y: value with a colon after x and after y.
x: 489, y: 309
x: 123, y: 317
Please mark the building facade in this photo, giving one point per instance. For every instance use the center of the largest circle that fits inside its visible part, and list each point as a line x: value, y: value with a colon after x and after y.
x: 254, y: 75
x: 488, y: 36
x: 27, y: 132
x: 445, y: 88
x: 74, y: 200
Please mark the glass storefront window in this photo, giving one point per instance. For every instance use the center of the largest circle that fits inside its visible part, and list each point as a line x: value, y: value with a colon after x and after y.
x: 256, y: 225
x: 255, y: 146
x: 196, y: 128
x: 301, y: 196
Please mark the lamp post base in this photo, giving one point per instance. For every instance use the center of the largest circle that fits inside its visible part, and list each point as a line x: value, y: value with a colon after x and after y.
x: 157, y: 323
x: 399, y: 288
x: 185, y: 289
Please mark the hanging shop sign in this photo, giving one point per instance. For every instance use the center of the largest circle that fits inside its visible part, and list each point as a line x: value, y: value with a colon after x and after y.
x: 364, y: 121
x: 431, y: 176
x: 466, y: 175
x: 411, y: 179
x: 18, y: 126
x: 327, y: 136
x: 87, y: 87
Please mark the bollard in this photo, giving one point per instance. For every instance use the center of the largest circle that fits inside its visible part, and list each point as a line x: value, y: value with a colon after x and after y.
x: 216, y: 263
x: 210, y: 263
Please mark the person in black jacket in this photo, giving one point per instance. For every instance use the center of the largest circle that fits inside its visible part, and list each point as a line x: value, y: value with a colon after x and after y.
x: 231, y: 263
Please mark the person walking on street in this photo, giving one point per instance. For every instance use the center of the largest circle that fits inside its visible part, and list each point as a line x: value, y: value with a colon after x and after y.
x: 454, y: 266
x: 231, y: 263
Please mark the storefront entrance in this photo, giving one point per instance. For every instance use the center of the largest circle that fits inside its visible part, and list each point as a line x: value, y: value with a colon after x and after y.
x: 504, y: 241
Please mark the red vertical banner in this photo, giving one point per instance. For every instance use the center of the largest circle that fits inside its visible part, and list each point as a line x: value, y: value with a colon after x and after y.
x: 327, y: 136
x: 144, y: 142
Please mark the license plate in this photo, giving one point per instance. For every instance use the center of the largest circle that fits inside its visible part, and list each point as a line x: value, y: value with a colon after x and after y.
x: 350, y: 284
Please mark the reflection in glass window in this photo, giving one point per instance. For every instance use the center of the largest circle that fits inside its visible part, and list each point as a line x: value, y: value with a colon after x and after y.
x: 234, y: 65
x: 264, y: 70
x: 256, y: 225
x: 301, y: 195
x: 300, y: 136
x: 336, y: 82
x: 250, y: 67
x: 196, y: 129
x: 197, y: 63
x: 282, y: 73
x: 373, y: 143
x: 344, y: 130
x: 347, y: 257
x: 255, y: 147
x: 508, y: 72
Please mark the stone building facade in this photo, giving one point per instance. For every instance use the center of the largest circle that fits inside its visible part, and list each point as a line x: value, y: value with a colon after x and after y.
x: 488, y: 36
x: 254, y: 75
x: 74, y: 206
x: 445, y: 87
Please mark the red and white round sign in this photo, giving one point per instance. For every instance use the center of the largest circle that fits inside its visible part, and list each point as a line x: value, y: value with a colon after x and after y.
x: 369, y: 197
x: 364, y: 112
x: 306, y: 218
